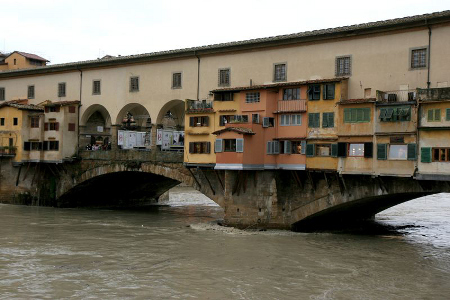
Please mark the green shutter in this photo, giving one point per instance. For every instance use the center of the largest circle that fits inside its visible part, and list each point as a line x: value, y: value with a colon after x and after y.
x: 347, y: 115
x: 334, y: 150
x: 324, y: 120
x: 412, y: 155
x: 430, y: 115
x: 331, y: 120
x: 425, y: 154
x: 437, y: 114
x: 359, y: 115
x: 447, y: 114
x: 310, y: 120
x: 383, y: 114
x: 366, y: 112
x: 354, y: 115
x: 381, y: 151
x: 310, y: 150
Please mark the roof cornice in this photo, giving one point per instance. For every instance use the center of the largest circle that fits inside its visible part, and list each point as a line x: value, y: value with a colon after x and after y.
x: 246, y: 45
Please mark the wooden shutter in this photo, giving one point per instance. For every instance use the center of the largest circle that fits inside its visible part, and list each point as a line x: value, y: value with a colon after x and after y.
x: 56, y: 126
x: 412, y: 151
x: 368, y: 150
x: 383, y: 114
x: 45, y: 145
x: 324, y: 120
x: 437, y: 114
x: 287, y: 147
x: 191, y: 122
x: 206, y: 121
x: 191, y: 147
x: 57, y: 108
x: 239, y: 145
x: 45, y: 126
x: 342, y: 150
x: 71, y: 126
x: 303, y: 145
x: 26, y: 146
x: 425, y: 154
x: 430, y: 115
x: 276, y: 147
x: 447, y: 114
x: 354, y: 113
x: 310, y: 150
x: 334, y: 150
x: 359, y: 115
x: 71, y: 109
x: 347, y: 115
x: 269, y: 147
x: 208, y: 147
x: 46, y: 109
x: 382, y: 151
x: 265, y: 122
x: 218, y: 146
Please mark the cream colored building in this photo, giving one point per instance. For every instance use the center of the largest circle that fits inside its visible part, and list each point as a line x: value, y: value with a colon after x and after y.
x: 387, y: 55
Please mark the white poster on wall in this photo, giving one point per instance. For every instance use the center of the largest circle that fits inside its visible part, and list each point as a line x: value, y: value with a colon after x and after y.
x: 166, y: 139
x: 159, y: 133
x: 120, y: 137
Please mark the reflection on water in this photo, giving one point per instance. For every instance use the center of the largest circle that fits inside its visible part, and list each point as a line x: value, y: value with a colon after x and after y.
x: 177, y: 252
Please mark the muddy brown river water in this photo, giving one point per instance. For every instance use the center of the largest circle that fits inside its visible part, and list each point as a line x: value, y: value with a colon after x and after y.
x: 177, y: 252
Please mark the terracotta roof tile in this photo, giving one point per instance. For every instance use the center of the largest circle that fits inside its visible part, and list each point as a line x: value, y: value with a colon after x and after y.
x: 31, y: 56
x: 20, y: 104
x: 241, y: 130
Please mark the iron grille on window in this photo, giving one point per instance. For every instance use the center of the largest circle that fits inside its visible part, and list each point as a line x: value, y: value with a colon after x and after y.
x: 419, y: 58
x: 280, y: 72
x: 134, y: 84
x: 343, y: 65
x: 252, y: 97
x: 31, y: 92
x: 96, y: 88
x: 62, y: 89
x: 224, y: 77
x: 176, y: 80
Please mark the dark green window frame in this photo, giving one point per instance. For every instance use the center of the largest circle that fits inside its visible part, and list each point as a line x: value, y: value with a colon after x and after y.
x: 328, y: 120
x: 314, y: 92
x: 329, y: 91
x: 395, y: 114
x: 434, y: 115
x: 314, y: 120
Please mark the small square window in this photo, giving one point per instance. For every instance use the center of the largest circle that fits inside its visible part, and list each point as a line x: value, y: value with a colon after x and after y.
x: 15, y: 121
x: 134, y: 84
x: 279, y: 72
x: 61, y: 89
x: 224, y: 77
x: 31, y: 92
x: 418, y: 58
x: 176, y: 80
x: 34, y: 122
x: 96, y: 87
x: 343, y: 65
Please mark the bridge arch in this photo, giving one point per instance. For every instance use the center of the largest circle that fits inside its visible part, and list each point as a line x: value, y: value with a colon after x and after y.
x: 172, y: 114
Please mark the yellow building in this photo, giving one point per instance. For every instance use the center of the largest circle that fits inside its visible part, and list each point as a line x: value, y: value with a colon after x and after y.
x: 322, y: 134
x: 20, y: 122
x: 21, y: 60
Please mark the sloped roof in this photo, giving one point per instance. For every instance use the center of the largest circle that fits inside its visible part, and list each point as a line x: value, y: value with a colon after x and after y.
x: 241, y: 130
x: 19, y: 104
x: 277, y: 85
x: 61, y: 103
x: 29, y: 55
x: 307, y: 36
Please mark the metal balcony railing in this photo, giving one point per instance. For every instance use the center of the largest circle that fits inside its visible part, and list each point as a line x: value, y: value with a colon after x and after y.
x: 291, y: 106
x: 7, y: 151
x: 397, y: 96
x: 434, y: 94
x: 193, y: 105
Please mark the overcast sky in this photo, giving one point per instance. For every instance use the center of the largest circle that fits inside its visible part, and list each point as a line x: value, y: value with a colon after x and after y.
x: 67, y: 31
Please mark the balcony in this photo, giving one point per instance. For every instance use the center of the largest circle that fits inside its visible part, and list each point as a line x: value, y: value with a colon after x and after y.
x: 291, y: 106
x: 397, y: 96
x: 199, y: 106
x: 7, y: 151
x: 434, y: 94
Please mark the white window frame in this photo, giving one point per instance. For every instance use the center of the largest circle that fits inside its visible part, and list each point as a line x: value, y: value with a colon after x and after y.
x: 399, y: 154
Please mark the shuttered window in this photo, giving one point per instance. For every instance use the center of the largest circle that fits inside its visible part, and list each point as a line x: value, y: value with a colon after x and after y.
x: 425, y: 154
x: 394, y: 114
x: 2, y: 93
x: 314, y: 120
x: 314, y: 92
x: 303, y: 146
x: 269, y: 149
x: 328, y: 91
x: 434, y: 115
x: 287, y: 147
x: 368, y: 150
x: 447, y: 114
x: 328, y: 120
x: 239, y: 145
x: 412, y: 151
x: 342, y: 150
x: 218, y: 146
x: 199, y: 121
x: 199, y: 147
x: 310, y: 149
x: 357, y: 115
x: 334, y: 150
x: 382, y: 151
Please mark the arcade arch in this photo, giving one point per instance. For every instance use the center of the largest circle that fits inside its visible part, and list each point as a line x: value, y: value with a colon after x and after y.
x: 95, y: 128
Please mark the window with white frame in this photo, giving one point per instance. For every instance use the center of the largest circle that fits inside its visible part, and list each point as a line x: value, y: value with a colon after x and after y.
x: 279, y: 72
x: 356, y: 150
x: 296, y: 120
x: 285, y: 120
x: 398, y: 152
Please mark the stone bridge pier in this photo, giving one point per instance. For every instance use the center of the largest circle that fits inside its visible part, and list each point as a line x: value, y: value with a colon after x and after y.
x: 282, y: 199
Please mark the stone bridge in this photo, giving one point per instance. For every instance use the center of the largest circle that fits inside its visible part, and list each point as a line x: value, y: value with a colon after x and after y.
x: 284, y: 199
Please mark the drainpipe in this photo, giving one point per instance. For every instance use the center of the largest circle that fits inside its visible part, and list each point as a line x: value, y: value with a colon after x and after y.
x: 429, y: 56
x: 198, y: 75
x: 81, y: 86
